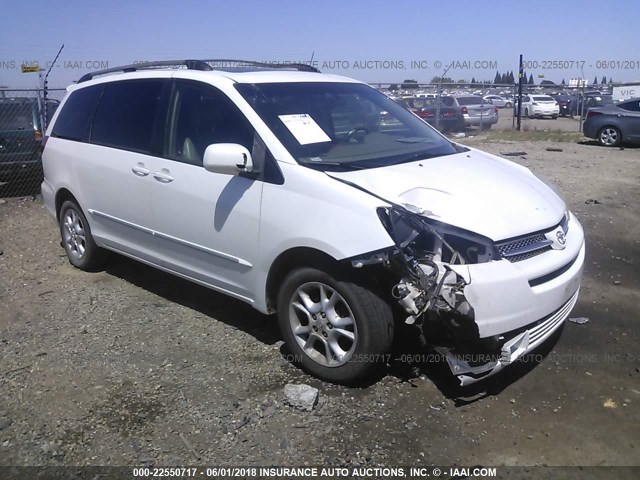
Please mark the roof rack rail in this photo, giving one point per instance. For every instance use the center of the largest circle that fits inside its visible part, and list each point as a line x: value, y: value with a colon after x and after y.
x: 303, y: 67
x: 199, y: 65
x: 190, y: 64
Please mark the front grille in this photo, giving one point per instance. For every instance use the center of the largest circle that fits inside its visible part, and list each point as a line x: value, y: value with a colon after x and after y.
x: 524, y: 248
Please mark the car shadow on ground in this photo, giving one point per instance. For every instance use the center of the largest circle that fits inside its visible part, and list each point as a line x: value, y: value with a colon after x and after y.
x: 265, y: 329
x: 196, y: 297
x: 595, y: 143
x: 434, y: 367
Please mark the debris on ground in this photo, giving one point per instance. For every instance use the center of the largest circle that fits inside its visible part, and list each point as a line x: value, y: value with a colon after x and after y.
x: 609, y: 403
x: 302, y: 397
x: 617, y: 282
x: 553, y: 149
x: 579, y: 320
x: 513, y: 154
x: 459, y: 135
x: 593, y: 201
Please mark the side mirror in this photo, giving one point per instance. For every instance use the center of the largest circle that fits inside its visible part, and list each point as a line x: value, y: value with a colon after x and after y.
x: 227, y: 159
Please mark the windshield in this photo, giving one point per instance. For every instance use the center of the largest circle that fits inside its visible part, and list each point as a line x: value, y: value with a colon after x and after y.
x: 463, y: 101
x: 15, y: 116
x: 343, y: 126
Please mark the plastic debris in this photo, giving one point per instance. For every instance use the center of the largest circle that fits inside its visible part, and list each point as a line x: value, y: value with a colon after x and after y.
x: 579, y: 320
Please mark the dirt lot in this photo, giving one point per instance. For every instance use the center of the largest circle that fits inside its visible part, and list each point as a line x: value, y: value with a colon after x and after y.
x: 132, y: 366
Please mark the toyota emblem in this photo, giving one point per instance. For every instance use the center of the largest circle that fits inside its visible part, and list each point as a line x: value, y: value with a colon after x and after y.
x: 562, y: 239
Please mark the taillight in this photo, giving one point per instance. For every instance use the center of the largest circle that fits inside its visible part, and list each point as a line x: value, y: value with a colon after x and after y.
x: 449, y: 114
x: 464, y: 110
x: 591, y: 113
x: 534, y: 103
x: 37, y: 135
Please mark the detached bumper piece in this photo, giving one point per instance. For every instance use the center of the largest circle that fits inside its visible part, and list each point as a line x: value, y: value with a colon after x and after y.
x: 513, y: 349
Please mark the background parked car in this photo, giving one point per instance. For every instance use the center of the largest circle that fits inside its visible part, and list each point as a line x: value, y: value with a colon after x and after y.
x: 475, y: 110
x: 614, y: 124
x: 499, y: 101
x: 20, y: 133
x: 451, y: 118
x: 565, y: 103
x: 590, y: 100
x: 540, y: 106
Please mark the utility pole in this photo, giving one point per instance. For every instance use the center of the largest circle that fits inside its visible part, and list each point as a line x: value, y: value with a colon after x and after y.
x: 45, y: 89
x: 520, y: 75
x: 439, y: 94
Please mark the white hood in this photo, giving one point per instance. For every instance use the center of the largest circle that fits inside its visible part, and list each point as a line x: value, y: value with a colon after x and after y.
x: 471, y: 190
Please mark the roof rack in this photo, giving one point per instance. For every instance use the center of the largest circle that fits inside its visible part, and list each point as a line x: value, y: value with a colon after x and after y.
x: 203, y: 65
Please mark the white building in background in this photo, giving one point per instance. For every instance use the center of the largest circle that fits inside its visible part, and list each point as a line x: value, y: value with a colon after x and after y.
x: 626, y: 92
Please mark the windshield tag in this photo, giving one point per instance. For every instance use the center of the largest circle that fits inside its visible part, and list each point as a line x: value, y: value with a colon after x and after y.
x: 304, y: 128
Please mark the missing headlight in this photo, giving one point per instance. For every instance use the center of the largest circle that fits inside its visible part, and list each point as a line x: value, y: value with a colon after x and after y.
x: 438, y: 241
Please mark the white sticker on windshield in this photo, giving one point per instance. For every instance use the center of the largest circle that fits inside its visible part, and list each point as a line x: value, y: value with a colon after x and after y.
x: 304, y: 128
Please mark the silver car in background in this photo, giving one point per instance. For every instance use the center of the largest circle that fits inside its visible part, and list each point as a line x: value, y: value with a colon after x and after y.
x: 498, y: 101
x: 475, y: 110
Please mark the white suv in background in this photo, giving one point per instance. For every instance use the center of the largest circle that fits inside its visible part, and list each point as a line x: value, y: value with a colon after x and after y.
x: 291, y: 191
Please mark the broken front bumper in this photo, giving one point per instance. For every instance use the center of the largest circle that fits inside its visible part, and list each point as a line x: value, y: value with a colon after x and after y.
x: 512, y: 350
x: 523, y: 302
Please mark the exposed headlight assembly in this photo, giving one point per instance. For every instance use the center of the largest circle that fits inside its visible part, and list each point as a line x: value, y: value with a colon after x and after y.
x: 438, y: 241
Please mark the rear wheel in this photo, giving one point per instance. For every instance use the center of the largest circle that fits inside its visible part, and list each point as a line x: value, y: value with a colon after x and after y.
x: 77, y: 240
x: 554, y: 117
x: 609, y: 136
x: 336, y: 329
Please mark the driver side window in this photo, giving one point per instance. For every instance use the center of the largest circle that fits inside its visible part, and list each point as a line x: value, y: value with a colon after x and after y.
x: 201, y: 115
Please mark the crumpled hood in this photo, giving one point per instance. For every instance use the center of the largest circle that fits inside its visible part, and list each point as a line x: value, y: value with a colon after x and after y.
x: 472, y: 190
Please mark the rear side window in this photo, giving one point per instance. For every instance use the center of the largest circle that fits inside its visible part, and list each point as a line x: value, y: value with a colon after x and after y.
x: 126, y: 114
x: 633, y: 106
x: 470, y: 101
x: 74, y: 118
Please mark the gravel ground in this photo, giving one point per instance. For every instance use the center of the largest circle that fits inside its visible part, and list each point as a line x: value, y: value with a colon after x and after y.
x: 132, y: 366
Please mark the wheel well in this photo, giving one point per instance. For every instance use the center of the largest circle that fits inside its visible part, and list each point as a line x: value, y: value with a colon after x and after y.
x: 288, y: 261
x: 62, y: 196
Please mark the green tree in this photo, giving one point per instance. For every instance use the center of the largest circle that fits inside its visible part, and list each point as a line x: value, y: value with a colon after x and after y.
x: 531, y: 79
x: 393, y: 87
x: 563, y: 82
x: 442, y: 79
x: 604, y: 80
x: 595, y: 81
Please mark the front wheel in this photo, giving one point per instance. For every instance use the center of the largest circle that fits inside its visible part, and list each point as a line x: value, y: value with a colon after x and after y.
x: 77, y: 240
x: 609, y: 136
x: 336, y: 329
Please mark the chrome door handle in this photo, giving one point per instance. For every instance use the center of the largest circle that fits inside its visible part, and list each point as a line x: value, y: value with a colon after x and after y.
x: 162, y: 177
x: 140, y: 170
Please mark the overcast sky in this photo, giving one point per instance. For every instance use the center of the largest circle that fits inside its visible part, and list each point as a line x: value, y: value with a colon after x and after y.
x: 373, y: 41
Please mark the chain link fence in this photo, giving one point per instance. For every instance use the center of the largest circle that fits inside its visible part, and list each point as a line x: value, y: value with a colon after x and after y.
x: 24, y: 116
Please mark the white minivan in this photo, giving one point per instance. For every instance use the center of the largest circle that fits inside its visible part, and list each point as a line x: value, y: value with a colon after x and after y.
x: 318, y: 198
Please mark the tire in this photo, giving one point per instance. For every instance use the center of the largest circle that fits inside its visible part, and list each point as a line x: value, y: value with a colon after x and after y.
x: 485, y: 126
x: 554, y: 117
x: 609, y: 136
x: 508, y: 105
x: 366, y: 322
x: 77, y: 241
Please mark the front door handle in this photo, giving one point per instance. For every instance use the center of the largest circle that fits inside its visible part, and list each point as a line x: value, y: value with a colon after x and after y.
x: 163, y: 176
x: 140, y: 170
